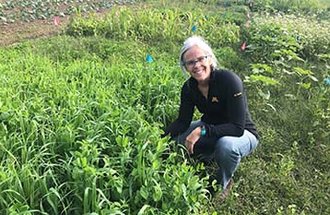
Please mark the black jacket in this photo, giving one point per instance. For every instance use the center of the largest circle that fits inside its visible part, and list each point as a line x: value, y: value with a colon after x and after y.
x: 225, y: 111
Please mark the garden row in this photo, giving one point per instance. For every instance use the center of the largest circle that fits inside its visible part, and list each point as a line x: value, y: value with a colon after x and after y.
x: 28, y: 11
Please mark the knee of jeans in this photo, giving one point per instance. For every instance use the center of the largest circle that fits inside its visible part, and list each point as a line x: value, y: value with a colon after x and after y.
x: 225, y: 147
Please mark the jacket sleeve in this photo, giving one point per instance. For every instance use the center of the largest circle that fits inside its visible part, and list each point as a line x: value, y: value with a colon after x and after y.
x: 235, y: 110
x: 186, y: 110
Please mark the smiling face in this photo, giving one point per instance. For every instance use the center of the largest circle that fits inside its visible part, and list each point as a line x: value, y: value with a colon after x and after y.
x: 197, y: 63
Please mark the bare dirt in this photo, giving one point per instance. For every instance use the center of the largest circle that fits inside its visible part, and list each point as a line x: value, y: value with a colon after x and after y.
x: 20, y: 31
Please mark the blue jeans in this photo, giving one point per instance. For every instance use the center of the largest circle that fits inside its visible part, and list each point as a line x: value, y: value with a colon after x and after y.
x: 226, y: 151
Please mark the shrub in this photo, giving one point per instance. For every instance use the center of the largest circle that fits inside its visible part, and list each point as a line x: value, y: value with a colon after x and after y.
x: 289, y: 36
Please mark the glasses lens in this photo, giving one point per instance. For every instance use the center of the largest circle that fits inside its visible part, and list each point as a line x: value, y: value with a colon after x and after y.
x: 192, y: 63
x: 202, y: 59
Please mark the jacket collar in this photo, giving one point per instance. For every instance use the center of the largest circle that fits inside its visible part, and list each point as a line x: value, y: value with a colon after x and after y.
x: 193, y: 82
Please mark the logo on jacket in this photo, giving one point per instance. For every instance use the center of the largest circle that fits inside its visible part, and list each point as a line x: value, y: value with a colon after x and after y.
x: 238, y: 94
x: 215, y: 99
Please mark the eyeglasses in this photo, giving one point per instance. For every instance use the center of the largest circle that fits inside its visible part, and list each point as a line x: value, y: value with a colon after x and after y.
x: 192, y: 63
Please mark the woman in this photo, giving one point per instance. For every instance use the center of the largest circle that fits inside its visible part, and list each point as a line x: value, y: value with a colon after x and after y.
x: 225, y: 132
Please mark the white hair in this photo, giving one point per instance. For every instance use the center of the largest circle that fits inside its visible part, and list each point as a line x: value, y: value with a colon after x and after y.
x: 202, y: 44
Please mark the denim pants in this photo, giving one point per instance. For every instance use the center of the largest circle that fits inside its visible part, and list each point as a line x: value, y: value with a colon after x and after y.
x: 226, y: 151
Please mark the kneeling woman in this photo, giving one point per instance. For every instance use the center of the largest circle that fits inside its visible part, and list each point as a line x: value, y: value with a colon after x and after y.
x: 225, y: 132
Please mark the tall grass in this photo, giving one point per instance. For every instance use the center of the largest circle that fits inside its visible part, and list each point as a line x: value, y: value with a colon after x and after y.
x: 156, y: 25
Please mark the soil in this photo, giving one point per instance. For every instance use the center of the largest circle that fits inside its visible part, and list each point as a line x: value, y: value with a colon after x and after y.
x: 20, y: 31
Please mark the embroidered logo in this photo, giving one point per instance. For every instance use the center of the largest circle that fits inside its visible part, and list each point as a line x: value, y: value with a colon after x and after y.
x: 215, y: 99
x: 237, y: 94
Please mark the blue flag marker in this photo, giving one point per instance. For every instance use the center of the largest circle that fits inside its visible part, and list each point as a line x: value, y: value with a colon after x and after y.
x: 149, y: 58
x: 327, y: 81
x: 194, y: 28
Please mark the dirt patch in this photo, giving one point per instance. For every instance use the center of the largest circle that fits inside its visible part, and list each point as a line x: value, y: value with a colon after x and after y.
x: 18, y: 32
x: 18, y: 29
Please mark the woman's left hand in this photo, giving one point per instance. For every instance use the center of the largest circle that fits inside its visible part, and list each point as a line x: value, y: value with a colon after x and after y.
x: 192, y: 138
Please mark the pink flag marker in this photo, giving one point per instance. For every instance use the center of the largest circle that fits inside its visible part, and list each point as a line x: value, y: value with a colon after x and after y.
x: 243, y: 46
x: 56, y: 20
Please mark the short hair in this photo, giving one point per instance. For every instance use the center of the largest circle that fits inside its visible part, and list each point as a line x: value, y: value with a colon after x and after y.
x: 202, y: 44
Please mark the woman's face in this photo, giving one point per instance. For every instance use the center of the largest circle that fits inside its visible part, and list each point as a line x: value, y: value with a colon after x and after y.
x: 197, y: 63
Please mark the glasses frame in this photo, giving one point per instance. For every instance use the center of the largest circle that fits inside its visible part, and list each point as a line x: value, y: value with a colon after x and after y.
x: 192, y: 63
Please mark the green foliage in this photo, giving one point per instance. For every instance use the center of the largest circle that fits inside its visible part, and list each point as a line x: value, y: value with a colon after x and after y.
x: 287, y: 37
x: 81, y: 142
x: 287, y: 5
x: 230, y: 59
x: 156, y: 25
x: 81, y: 116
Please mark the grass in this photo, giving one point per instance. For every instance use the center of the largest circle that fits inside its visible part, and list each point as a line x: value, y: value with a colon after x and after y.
x: 81, y: 117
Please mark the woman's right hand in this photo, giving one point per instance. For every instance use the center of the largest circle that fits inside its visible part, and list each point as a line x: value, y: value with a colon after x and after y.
x: 192, y: 138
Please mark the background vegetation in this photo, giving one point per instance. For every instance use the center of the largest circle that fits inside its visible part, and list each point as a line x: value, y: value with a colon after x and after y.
x: 30, y: 10
x: 81, y: 114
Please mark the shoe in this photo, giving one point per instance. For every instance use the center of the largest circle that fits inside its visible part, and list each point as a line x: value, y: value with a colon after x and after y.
x: 225, y: 193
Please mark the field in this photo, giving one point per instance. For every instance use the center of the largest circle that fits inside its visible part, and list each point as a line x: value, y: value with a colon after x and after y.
x: 86, y: 93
